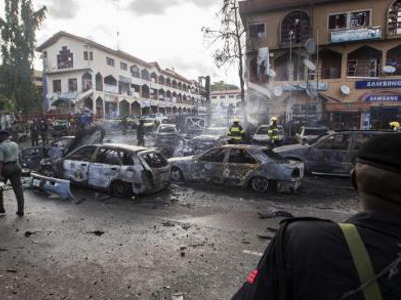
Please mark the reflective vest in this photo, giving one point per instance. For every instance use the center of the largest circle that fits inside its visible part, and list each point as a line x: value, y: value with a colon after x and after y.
x: 273, y: 133
x: 236, y: 132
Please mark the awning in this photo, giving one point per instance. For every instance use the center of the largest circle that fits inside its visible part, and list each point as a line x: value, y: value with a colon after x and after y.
x: 348, y: 107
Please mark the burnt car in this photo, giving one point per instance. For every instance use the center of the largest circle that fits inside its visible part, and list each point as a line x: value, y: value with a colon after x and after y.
x: 32, y: 156
x: 199, y: 144
x: 332, y: 154
x: 251, y: 166
x: 119, y: 169
x: 309, y: 134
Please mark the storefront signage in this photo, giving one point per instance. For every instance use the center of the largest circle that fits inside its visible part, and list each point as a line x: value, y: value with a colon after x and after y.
x: 319, y: 86
x: 378, y: 84
x: 355, y: 35
x: 383, y: 98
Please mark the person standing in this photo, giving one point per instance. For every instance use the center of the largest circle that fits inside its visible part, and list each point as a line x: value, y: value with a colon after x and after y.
x: 140, y: 133
x: 236, y: 132
x: 43, y: 130
x: 360, y: 258
x: 10, y: 169
x: 273, y: 133
x: 34, y: 128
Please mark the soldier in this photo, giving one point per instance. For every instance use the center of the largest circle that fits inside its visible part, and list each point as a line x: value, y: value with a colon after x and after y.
x: 313, y: 258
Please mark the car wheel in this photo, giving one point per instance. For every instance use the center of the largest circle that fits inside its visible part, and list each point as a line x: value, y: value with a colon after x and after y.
x: 120, y: 189
x: 259, y: 184
x: 176, y: 174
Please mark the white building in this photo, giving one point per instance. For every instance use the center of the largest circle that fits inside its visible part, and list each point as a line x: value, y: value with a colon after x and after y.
x: 83, y: 76
x: 225, y: 106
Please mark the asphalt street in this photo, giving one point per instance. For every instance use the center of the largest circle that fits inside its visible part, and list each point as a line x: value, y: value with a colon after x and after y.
x: 187, y: 242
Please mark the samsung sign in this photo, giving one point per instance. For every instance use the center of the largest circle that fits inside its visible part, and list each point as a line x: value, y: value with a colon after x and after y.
x: 383, y: 98
x: 378, y: 84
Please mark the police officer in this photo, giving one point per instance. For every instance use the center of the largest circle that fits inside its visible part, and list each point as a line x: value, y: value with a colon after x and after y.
x: 10, y: 169
x: 236, y: 132
x: 273, y: 133
x: 140, y: 133
x: 359, y: 259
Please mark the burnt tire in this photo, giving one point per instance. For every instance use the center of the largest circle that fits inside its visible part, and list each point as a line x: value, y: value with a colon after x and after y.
x: 121, y: 189
x: 259, y: 184
x: 176, y: 175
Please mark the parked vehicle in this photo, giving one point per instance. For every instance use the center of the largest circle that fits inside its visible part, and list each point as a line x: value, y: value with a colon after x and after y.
x: 116, y: 168
x: 199, y: 144
x: 240, y: 165
x: 167, y: 137
x: 261, y: 136
x: 309, y: 134
x: 332, y: 154
x: 59, y: 147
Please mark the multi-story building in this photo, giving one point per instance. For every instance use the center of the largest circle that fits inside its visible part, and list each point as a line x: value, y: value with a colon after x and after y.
x: 326, y: 60
x: 84, y: 76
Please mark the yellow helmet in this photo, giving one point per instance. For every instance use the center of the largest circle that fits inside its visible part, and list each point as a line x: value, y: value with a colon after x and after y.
x: 273, y: 119
x: 236, y: 120
x: 394, y: 124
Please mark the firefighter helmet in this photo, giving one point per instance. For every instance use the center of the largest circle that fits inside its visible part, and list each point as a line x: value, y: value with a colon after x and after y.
x: 273, y: 119
x: 236, y: 120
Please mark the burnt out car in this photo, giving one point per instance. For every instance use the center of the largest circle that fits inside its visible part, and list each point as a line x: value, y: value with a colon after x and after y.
x: 332, y: 154
x: 251, y: 166
x: 199, y: 144
x: 119, y: 169
x: 32, y: 156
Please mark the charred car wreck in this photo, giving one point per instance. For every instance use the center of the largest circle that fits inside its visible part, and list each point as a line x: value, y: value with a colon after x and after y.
x: 240, y: 165
x: 119, y: 169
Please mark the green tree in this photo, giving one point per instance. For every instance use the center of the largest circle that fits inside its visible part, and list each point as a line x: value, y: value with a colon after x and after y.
x: 230, y: 41
x: 17, y: 51
x: 222, y: 86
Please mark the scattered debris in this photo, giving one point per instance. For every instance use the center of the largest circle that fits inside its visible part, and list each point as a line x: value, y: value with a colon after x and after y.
x: 252, y: 252
x: 29, y: 233
x: 168, y: 223
x: 272, y: 229
x: 275, y: 214
x: 82, y: 200
x: 3, y: 249
x: 11, y: 271
x: 97, y: 232
x: 186, y: 226
x: 264, y: 236
x: 177, y: 296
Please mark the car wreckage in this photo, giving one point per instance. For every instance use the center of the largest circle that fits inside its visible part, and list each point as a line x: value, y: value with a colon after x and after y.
x: 251, y: 166
x: 119, y: 169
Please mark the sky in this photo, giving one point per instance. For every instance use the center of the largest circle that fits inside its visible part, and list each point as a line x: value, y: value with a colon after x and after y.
x: 166, y: 31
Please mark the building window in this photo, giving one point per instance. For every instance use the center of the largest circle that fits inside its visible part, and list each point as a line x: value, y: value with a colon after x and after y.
x: 231, y: 96
x: 57, y: 86
x: 88, y: 55
x: 257, y: 31
x: 72, y: 85
x: 65, y: 59
x: 214, y: 97
x: 222, y: 97
x: 394, y: 18
x: 123, y: 66
x: 338, y: 21
x: 110, y: 61
x: 356, y: 19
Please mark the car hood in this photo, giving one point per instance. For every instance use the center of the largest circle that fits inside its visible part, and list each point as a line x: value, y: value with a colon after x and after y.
x: 87, y: 136
x: 291, y: 148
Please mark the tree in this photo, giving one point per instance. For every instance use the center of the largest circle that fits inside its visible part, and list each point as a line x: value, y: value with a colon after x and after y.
x: 222, y: 86
x: 17, y: 51
x: 232, y: 35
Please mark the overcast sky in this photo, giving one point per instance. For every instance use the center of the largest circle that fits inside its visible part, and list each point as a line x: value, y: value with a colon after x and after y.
x: 166, y: 31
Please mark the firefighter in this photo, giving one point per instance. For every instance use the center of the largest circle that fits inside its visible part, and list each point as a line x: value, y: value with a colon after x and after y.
x: 236, y: 132
x: 312, y: 258
x: 273, y: 133
x: 395, y: 125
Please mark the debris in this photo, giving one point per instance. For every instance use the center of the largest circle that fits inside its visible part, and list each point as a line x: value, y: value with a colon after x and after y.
x: 252, y: 252
x: 29, y: 233
x: 168, y: 223
x: 186, y: 226
x: 80, y: 201
x: 272, y: 229
x: 182, y: 253
x: 275, y: 214
x: 97, y: 232
x: 264, y: 236
x: 11, y: 271
x: 177, y: 296
x: 3, y: 249
x: 183, y: 248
